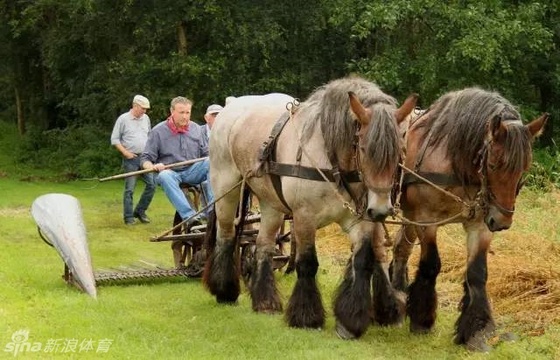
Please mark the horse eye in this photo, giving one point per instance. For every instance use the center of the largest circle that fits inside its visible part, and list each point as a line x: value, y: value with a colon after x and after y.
x: 492, y: 166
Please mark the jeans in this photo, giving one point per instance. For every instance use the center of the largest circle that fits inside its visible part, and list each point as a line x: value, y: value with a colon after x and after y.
x: 196, y: 174
x: 129, y: 185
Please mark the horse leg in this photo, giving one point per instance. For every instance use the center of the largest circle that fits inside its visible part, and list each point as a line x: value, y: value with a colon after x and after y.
x: 221, y: 270
x: 404, y: 243
x: 422, y: 296
x: 353, y: 306
x: 389, y: 304
x: 264, y: 294
x: 305, y: 307
x: 475, y: 324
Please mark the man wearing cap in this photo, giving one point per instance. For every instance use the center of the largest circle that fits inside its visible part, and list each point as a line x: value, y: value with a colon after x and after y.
x: 211, y: 112
x: 129, y: 137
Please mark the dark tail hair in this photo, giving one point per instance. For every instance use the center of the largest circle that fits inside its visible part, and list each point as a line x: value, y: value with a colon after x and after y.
x: 211, y: 230
x: 245, y: 207
x: 210, y: 237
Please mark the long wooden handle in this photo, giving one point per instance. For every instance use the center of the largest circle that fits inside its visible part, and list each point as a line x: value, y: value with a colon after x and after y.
x: 139, y: 172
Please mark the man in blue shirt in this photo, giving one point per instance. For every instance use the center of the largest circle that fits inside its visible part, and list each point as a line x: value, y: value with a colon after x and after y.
x: 175, y: 140
x: 129, y: 138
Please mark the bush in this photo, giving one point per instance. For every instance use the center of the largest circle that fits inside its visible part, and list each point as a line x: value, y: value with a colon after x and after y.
x: 544, y: 173
x: 85, y: 151
x: 75, y: 152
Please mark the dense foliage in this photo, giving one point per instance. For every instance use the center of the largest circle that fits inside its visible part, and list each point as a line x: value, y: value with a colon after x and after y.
x: 69, y: 68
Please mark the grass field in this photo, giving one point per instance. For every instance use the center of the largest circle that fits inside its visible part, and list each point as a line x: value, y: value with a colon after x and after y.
x: 178, y: 319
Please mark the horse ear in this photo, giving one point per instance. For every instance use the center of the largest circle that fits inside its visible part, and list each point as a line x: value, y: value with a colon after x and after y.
x: 362, y: 114
x: 536, y: 126
x: 406, y: 108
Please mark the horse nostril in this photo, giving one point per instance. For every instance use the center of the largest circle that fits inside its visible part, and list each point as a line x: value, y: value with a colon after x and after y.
x: 494, y: 226
x: 376, y: 216
x: 491, y: 224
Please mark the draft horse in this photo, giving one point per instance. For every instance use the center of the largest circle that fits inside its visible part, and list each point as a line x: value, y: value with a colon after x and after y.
x: 473, y: 147
x: 345, y: 132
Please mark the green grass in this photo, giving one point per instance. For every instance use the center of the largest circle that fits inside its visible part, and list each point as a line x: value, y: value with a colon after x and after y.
x: 178, y: 319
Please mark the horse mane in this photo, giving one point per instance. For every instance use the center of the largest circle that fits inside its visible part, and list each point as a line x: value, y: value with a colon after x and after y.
x: 329, y: 107
x: 462, y: 118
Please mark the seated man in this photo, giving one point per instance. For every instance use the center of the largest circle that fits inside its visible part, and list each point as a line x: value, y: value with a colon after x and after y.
x: 175, y: 140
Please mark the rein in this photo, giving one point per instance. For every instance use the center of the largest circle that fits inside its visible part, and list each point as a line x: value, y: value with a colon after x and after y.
x: 483, y: 198
x: 468, y: 212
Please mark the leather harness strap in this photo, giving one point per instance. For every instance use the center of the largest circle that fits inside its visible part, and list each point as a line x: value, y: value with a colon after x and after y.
x: 268, y: 165
x: 268, y: 155
x: 309, y: 173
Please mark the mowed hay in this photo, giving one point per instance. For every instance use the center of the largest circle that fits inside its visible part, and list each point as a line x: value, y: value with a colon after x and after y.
x: 523, y: 279
x: 523, y: 273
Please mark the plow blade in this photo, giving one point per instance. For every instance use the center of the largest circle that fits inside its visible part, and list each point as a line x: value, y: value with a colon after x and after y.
x: 60, y: 222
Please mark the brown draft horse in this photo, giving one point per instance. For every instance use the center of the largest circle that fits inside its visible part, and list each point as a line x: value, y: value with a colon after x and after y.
x: 473, y: 145
x: 347, y: 128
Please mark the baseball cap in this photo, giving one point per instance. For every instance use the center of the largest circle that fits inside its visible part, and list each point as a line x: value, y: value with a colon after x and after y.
x: 214, y: 109
x: 142, y: 101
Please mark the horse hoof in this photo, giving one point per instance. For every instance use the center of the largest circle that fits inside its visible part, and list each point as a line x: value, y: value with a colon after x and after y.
x: 508, y: 337
x: 343, y: 333
x: 418, y: 329
x: 479, y: 345
x: 226, y: 300
x: 478, y: 342
x: 268, y: 309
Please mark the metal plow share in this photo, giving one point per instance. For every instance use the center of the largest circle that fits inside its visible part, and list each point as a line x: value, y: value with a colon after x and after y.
x: 60, y: 223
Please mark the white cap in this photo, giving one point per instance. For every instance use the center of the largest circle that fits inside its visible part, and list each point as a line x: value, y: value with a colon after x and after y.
x: 142, y: 101
x: 214, y: 109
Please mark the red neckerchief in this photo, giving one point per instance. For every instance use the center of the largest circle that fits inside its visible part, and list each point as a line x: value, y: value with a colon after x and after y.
x: 174, y: 129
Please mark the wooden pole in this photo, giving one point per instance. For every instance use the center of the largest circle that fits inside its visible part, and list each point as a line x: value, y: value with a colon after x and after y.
x: 139, y: 172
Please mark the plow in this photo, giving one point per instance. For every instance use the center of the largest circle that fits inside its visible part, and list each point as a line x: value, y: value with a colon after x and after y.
x: 60, y: 224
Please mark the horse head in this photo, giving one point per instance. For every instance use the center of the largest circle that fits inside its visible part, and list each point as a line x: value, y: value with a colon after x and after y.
x: 507, y: 156
x: 378, y: 148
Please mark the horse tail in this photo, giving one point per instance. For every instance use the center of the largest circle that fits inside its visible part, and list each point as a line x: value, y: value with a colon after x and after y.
x: 222, y: 267
x: 243, y: 209
x: 211, y: 232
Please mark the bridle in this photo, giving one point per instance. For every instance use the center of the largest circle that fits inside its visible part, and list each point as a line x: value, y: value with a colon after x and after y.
x: 361, y: 202
x: 485, y: 193
x: 483, y: 198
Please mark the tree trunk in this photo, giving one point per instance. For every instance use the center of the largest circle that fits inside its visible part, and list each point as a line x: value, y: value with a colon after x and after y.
x: 182, y: 38
x: 547, y: 137
x: 19, y: 110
